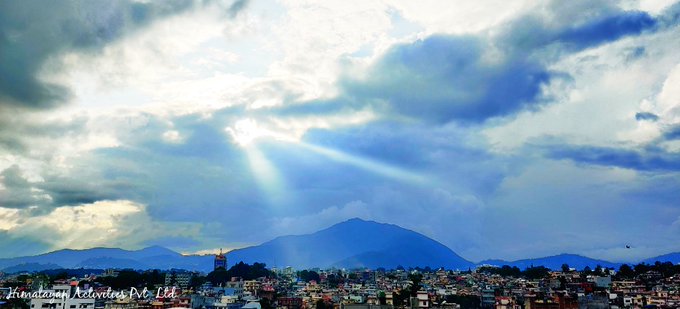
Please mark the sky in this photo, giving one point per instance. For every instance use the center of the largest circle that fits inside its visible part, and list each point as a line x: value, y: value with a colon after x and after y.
x: 502, y: 129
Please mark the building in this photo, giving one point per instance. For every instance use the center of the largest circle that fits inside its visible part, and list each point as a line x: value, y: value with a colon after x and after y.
x: 421, y: 301
x: 63, y: 299
x: 289, y: 302
x: 220, y: 261
x: 560, y: 301
x: 180, y: 280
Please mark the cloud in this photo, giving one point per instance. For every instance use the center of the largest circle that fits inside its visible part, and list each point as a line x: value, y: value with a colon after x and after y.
x: 35, y: 32
x: 444, y: 78
x: 568, y: 27
x: 607, y: 29
x: 471, y: 78
x: 52, y: 190
x: 646, y: 116
x: 17, y: 192
x: 117, y: 223
x: 672, y: 133
x: 643, y: 160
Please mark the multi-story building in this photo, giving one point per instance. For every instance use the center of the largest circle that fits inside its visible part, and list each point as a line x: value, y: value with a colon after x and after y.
x: 177, y: 279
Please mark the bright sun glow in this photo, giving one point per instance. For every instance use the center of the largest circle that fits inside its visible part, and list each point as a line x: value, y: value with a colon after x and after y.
x: 246, y: 131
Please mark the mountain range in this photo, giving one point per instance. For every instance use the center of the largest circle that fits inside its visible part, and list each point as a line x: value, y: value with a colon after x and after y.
x: 555, y: 262
x: 354, y: 243
x: 103, y: 258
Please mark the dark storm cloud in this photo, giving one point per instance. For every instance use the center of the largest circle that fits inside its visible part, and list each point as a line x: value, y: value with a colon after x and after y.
x: 33, y: 32
x: 650, y: 159
x: 53, y: 191
x: 17, y: 191
x: 443, y: 78
x: 19, y: 132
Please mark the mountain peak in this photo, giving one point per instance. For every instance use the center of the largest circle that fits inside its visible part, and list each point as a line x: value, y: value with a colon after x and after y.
x: 353, y: 243
x: 357, y: 220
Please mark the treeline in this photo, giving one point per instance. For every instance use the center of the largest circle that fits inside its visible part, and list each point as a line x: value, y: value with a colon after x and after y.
x: 131, y: 278
x: 666, y: 269
x: 242, y: 270
x: 128, y: 278
x: 535, y: 272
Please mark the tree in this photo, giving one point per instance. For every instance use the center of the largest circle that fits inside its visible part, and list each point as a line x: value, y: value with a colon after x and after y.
x: 626, y: 272
x: 309, y: 275
x: 196, y: 281
x: 641, y: 268
x: 565, y: 268
x: 415, y: 285
x: 60, y: 276
x: 587, y: 270
x: 218, y: 276
x: 382, y: 298
x: 401, y: 298
x: 537, y: 272
x: 598, y: 270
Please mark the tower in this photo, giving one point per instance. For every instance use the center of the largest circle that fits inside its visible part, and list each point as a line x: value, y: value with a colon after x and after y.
x: 220, y: 261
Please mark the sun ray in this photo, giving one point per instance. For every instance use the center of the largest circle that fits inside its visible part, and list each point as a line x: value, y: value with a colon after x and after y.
x: 367, y: 164
x: 267, y: 176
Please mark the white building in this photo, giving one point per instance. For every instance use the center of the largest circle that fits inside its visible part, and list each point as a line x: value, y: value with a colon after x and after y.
x: 63, y: 299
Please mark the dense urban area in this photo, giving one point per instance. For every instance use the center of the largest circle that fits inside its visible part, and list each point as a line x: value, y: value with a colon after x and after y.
x: 244, y: 286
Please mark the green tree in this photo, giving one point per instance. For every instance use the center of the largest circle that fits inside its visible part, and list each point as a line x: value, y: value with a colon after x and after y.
x: 382, y: 298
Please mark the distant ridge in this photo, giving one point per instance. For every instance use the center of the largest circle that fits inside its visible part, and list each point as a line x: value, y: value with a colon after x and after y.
x: 155, y: 257
x: 671, y: 257
x: 555, y: 262
x: 354, y: 243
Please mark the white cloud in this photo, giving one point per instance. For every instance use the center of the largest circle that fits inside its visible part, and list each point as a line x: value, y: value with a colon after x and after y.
x: 459, y: 16
x: 598, y: 105
x: 316, y: 221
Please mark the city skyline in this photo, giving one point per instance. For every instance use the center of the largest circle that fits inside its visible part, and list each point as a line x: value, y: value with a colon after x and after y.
x: 501, y: 129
